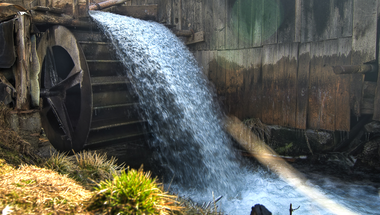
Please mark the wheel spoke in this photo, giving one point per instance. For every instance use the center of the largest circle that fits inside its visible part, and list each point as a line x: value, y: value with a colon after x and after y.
x: 69, y: 82
x: 51, y: 75
x: 59, y: 108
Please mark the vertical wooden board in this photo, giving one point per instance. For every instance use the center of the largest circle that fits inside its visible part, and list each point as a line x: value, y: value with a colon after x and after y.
x: 289, y: 104
x: 246, y: 17
x: 237, y: 98
x: 363, y: 38
x: 208, y: 14
x: 316, y: 63
x: 268, y: 92
x: 298, y: 21
x: 229, y: 67
x: 303, y: 85
x: 175, y: 13
x: 219, y: 25
x: 232, y: 24
x: 212, y: 66
x: 326, y: 19
x: 205, y: 59
x: 220, y: 81
x: 188, y: 14
x: 364, y: 31
x: 270, y: 21
x: 342, y: 117
x: 328, y: 85
x: 279, y: 84
x: 253, y: 83
x: 287, y: 21
x: 164, y: 11
x: 198, y: 22
x: 257, y: 22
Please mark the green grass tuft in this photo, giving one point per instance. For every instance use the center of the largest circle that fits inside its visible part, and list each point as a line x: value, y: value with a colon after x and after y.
x: 134, y: 192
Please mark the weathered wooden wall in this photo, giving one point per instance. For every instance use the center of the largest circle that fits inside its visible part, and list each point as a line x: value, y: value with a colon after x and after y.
x: 272, y: 59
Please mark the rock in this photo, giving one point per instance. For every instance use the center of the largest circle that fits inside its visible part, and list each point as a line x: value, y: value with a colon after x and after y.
x: 260, y: 210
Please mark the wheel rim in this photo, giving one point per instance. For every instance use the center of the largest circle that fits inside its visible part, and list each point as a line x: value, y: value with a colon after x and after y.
x: 66, y: 90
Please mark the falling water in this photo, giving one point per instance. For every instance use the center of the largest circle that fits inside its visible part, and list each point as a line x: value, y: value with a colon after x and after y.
x: 187, y: 124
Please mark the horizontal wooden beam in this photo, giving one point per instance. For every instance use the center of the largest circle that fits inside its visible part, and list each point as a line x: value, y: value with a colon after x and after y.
x: 352, y: 69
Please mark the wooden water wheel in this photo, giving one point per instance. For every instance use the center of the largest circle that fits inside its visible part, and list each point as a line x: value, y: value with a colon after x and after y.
x: 86, y: 100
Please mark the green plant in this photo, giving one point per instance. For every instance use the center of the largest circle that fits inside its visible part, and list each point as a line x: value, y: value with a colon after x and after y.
x: 134, y: 192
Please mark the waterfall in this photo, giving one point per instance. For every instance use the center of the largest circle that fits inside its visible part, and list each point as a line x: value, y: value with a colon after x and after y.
x: 177, y: 102
x: 187, y: 123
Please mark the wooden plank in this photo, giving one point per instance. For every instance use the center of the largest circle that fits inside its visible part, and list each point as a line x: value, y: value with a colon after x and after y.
x: 328, y: 85
x: 342, y: 117
x: 235, y: 82
x: 232, y: 24
x: 198, y: 22
x: 363, y: 38
x: 326, y: 19
x: 376, y: 103
x: 219, y: 25
x: 257, y: 23
x: 279, y: 84
x: 245, y: 30
x: 220, y: 80
x: 298, y: 21
x: 23, y: 49
x: 268, y: 96
x: 253, y: 83
x: 286, y: 30
x: 364, y: 31
x: 212, y: 66
x: 175, y: 14
x: 303, y: 85
x: 164, y: 12
x: 290, y: 77
x: 208, y: 11
x: 270, y: 21
x: 322, y: 100
x: 316, y: 63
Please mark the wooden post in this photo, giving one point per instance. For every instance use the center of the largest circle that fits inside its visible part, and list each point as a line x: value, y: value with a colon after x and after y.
x: 23, y: 47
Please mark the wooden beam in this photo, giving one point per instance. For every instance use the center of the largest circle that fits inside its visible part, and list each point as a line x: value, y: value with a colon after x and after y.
x: 351, y: 69
x: 21, y: 72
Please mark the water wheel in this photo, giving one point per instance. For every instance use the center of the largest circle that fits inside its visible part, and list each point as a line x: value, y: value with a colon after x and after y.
x: 85, y: 96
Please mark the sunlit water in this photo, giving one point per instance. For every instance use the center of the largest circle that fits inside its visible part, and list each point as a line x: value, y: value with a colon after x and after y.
x: 194, y: 150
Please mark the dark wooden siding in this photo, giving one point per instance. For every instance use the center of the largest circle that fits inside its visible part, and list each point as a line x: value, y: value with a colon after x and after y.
x: 272, y: 59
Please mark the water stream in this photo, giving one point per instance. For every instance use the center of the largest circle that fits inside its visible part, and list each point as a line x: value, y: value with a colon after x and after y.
x: 193, y: 148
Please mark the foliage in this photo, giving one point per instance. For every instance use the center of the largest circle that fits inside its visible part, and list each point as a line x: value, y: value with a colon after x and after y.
x: 134, y: 192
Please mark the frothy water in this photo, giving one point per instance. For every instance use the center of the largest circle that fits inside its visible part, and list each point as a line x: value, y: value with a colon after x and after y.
x: 194, y: 149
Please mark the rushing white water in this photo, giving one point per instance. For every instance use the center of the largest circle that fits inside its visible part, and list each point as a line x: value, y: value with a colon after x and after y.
x: 187, y: 123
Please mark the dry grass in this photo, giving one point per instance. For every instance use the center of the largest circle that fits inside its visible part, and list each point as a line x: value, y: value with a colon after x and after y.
x: 34, y: 190
x: 13, y: 148
x: 258, y: 128
x: 87, y: 167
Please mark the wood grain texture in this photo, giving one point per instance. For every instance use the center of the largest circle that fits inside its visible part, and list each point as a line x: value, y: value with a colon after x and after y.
x: 287, y: 21
x: 219, y: 27
x: 232, y: 24
x: 303, y: 85
x: 270, y: 21
x: 253, y: 83
x: 342, y: 117
x: 326, y: 19
x: 268, y: 93
x: 316, y: 62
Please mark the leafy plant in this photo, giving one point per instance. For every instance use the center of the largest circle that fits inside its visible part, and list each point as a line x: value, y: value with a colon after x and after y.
x: 134, y: 192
